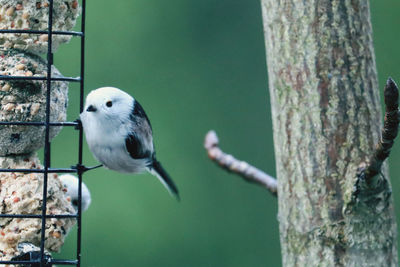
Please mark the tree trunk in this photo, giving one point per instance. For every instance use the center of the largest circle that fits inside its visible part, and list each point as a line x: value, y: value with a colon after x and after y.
x: 326, y: 118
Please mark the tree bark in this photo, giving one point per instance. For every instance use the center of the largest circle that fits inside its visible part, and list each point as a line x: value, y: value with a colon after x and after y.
x: 326, y: 118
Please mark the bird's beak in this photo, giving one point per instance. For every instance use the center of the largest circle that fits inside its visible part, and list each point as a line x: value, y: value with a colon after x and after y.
x: 91, y: 109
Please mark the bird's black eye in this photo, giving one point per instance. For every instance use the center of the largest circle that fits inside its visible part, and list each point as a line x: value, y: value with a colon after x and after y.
x: 75, y: 202
x: 109, y: 104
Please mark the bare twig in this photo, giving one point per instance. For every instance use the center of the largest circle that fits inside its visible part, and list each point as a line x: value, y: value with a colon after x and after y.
x: 389, y: 131
x: 229, y: 163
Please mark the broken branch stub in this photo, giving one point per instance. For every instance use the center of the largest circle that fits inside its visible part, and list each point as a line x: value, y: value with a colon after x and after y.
x: 242, y: 168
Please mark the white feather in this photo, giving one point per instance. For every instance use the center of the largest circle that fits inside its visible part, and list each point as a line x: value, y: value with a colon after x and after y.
x: 71, y: 183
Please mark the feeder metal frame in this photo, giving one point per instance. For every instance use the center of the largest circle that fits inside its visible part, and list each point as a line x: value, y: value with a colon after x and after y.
x: 79, y: 168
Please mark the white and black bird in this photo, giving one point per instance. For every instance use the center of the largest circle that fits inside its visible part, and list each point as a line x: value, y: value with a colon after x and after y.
x: 119, y: 134
x: 71, y: 184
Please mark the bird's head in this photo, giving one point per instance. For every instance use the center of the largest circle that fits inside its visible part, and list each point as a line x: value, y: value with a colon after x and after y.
x: 108, y: 103
x: 71, y: 184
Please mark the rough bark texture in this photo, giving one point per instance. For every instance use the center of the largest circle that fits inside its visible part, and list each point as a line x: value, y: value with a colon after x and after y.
x: 327, y: 118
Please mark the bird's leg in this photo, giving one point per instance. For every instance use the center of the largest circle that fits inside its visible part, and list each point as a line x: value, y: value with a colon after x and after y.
x: 94, y: 167
x: 81, y: 168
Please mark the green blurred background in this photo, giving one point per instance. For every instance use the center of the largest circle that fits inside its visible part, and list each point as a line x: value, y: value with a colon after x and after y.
x: 194, y: 66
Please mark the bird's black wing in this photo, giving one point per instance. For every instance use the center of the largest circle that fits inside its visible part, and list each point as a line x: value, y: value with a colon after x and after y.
x: 135, y: 141
x: 135, y: 148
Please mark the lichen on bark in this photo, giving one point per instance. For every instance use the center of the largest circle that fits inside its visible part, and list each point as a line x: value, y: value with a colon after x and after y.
x: 326, y: 118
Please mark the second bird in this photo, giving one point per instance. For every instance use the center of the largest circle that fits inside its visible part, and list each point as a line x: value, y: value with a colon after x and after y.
x: 119, y: 134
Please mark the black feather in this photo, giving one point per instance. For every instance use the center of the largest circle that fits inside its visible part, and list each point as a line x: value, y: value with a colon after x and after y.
x: 138, y: 112
x: 158, y: 168
x: 135, y: 148
x: 132, y: 142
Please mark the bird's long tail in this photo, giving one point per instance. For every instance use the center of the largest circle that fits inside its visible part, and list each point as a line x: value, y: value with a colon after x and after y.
x: 157, y: 170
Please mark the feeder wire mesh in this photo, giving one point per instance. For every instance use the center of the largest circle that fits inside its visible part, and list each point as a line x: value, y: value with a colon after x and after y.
x: 44, y: 260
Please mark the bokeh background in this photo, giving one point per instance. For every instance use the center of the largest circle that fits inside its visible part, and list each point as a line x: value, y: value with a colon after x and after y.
x: 194, y: 66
